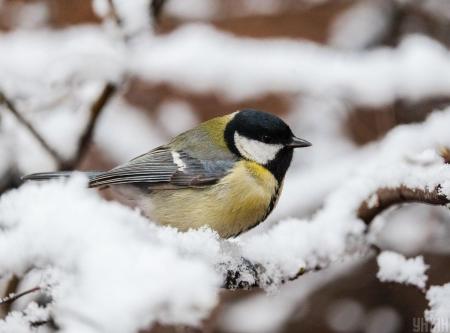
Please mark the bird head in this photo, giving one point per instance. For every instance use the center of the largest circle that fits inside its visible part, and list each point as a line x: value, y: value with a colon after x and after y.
x: 263, y: 138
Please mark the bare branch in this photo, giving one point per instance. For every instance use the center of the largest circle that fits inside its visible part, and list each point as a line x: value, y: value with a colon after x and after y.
x: 96, y: 109
x: 445, y: 154
x: 10, y: 106
x: 11, y: 288
x: 113, y: 13
x: 12, y: 297
x: 83, y: 143
x: 387, y: 197
x: 156, y: 7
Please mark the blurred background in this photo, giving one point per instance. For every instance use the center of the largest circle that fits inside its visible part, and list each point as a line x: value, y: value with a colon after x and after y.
x: 342, y: 73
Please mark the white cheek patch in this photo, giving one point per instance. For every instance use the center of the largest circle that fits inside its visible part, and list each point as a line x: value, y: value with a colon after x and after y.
x: 255, y: 150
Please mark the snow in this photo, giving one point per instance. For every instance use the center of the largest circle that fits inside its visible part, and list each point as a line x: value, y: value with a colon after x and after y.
x: 383, y: 319
x: 134, y: 16
x: 125, y: 132
x: 18, y: 322
x: 269, y: 312
x: 426, y: 157
x: 362, y: 25
x: 179, y: 110
x: 393, y: 267
x: 30, y: 16
x: 60, y: 125
x: 101, y: 7
x: 87, y: 238
x: 325, y: 238
x: 58, y: 70
x: 345, y: 315
x: 409, y: 230
x: 113, y: 261
x: 192, y: 9
x: 45, y: 59
x: 291, y: 66
x: 439, y: 312
x: 399, y: 147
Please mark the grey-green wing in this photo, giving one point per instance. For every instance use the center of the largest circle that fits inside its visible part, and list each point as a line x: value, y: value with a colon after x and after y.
x: 165, y: 168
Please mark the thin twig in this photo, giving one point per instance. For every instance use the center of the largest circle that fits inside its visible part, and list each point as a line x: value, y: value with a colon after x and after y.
x: 156, y: 7
x: 11, y: 288
x: 113, y: 13
x: 12, y: 297
x: 85, y: 138
x: 10, y: 106
x: 96, y: 109
x: 445, y: 154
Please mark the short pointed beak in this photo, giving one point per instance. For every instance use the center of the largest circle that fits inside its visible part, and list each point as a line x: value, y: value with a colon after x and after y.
x: 298, y: 143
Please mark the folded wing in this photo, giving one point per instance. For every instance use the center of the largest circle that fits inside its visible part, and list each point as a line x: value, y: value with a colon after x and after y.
x: 165, y: 168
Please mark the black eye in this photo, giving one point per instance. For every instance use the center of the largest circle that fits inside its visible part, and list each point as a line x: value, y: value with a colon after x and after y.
x: 266, y: 139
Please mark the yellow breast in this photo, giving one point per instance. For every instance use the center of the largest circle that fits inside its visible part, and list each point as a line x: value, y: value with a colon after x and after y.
x: 238, y: 202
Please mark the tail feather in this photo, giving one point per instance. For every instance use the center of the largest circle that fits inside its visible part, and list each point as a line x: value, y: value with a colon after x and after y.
x: 58, y: 174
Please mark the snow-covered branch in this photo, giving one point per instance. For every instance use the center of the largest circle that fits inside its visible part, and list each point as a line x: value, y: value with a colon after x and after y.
x: 400, y: 145
x: 88, y: 248
x: 430, y: 192
x: 375, y: 77
x: 92, y: 229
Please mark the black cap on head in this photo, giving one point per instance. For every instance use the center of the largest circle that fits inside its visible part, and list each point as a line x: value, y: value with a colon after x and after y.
x: 261, y: 126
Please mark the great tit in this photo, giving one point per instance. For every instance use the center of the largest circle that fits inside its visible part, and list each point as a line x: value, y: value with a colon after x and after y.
x: 227, y: 173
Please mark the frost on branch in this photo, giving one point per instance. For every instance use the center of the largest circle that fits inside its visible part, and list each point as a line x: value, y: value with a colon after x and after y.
x: 394, y: 267
x: 19, y: 322
x: 439, y: 312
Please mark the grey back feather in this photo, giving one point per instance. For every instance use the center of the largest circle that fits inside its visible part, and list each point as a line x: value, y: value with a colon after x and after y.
x: 58, y: 174
x: 199, y: 163
x: 158, y: 168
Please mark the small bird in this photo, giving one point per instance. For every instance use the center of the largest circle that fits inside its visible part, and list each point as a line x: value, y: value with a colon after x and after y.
x: 227, y: 173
